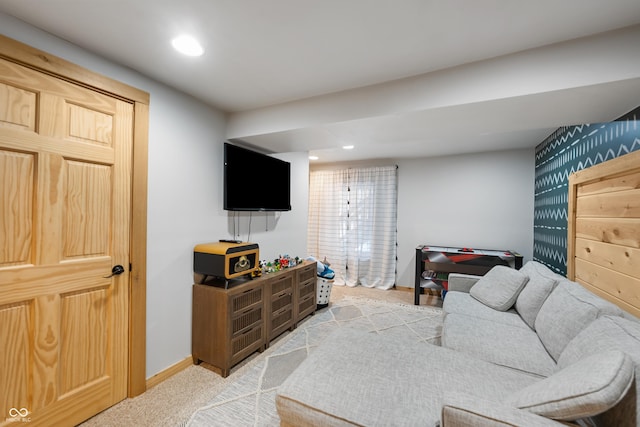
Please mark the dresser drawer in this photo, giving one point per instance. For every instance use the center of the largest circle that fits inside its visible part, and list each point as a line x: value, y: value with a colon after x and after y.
x: 281, y: 285
x: 306, y: 305
x: 281, y: 321
x: 307, y: 273
x: 246, y: 343
x: 284, y: 300
x: 246, y: 300
x: 243, y: 321
x: 307, y: 288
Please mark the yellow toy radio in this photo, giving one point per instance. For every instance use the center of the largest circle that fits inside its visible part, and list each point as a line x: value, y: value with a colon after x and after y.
x: 226, y: 259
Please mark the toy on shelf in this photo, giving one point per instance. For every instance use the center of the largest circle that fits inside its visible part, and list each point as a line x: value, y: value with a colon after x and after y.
x: 280, y: 263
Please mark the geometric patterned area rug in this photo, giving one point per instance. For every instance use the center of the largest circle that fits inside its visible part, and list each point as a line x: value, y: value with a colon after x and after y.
x: 250, y: 400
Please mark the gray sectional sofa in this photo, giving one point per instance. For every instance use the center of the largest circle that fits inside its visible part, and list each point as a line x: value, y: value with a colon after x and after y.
x: 525, y: 348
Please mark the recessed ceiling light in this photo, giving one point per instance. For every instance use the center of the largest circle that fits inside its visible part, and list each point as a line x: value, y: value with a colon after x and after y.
x: 313, y: 157
x: 347, y: 147
x: 187, y: 45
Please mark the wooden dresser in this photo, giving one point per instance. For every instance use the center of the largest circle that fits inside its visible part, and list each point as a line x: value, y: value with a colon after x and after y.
x: 230, y: 324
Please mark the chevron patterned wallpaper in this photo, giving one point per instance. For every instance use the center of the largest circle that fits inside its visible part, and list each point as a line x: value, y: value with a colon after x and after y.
x: 567, y: 150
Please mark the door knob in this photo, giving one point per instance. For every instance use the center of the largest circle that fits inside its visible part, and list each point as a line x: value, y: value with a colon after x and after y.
x: 117, y: 269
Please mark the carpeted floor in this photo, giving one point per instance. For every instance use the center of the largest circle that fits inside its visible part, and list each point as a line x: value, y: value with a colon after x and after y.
x: 198, y: 397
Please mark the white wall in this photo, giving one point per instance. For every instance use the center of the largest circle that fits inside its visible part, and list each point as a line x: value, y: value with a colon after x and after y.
x: 184, y: 209
x: 184, y: 195
x: 477, y: 200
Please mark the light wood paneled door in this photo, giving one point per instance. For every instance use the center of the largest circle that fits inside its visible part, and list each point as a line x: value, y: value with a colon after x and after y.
x: 65, y: 212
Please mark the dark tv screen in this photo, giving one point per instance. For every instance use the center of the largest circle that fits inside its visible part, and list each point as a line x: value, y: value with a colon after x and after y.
x: 254, y: 181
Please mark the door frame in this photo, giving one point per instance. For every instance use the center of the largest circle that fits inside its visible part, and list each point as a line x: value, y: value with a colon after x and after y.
x: 25, y: 55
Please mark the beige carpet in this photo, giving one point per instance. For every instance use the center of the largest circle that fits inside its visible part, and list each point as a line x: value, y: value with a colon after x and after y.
x: 175, y: 401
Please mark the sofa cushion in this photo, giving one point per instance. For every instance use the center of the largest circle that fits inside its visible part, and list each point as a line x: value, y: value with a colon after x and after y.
x: 531, y: 268
x: 585, y: 389
x: 515, y: 347
x: 462, y: 409
x: 499, y: 288
x: 609, y: 333
x: 463, y: 303
x: 569, y: 309
x: 605, y: 333
x: 541, y: 282
x: 327, y: 388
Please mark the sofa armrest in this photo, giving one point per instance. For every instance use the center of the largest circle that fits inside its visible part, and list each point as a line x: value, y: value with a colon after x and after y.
x: 464, y: 410
x: 462, y: 282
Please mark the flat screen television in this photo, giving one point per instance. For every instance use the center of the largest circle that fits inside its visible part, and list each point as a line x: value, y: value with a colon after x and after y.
x: 254, y: 181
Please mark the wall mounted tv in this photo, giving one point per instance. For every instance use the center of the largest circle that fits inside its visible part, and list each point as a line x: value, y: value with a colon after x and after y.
x: 254, y: 181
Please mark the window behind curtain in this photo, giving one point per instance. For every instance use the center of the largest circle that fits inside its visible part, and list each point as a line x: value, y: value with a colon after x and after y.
x: 352, y: 222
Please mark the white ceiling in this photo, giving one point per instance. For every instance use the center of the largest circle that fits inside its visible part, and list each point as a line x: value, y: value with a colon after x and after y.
x: 401, y: 78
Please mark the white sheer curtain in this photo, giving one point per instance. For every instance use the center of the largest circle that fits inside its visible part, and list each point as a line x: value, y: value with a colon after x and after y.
x: 352, y: 222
